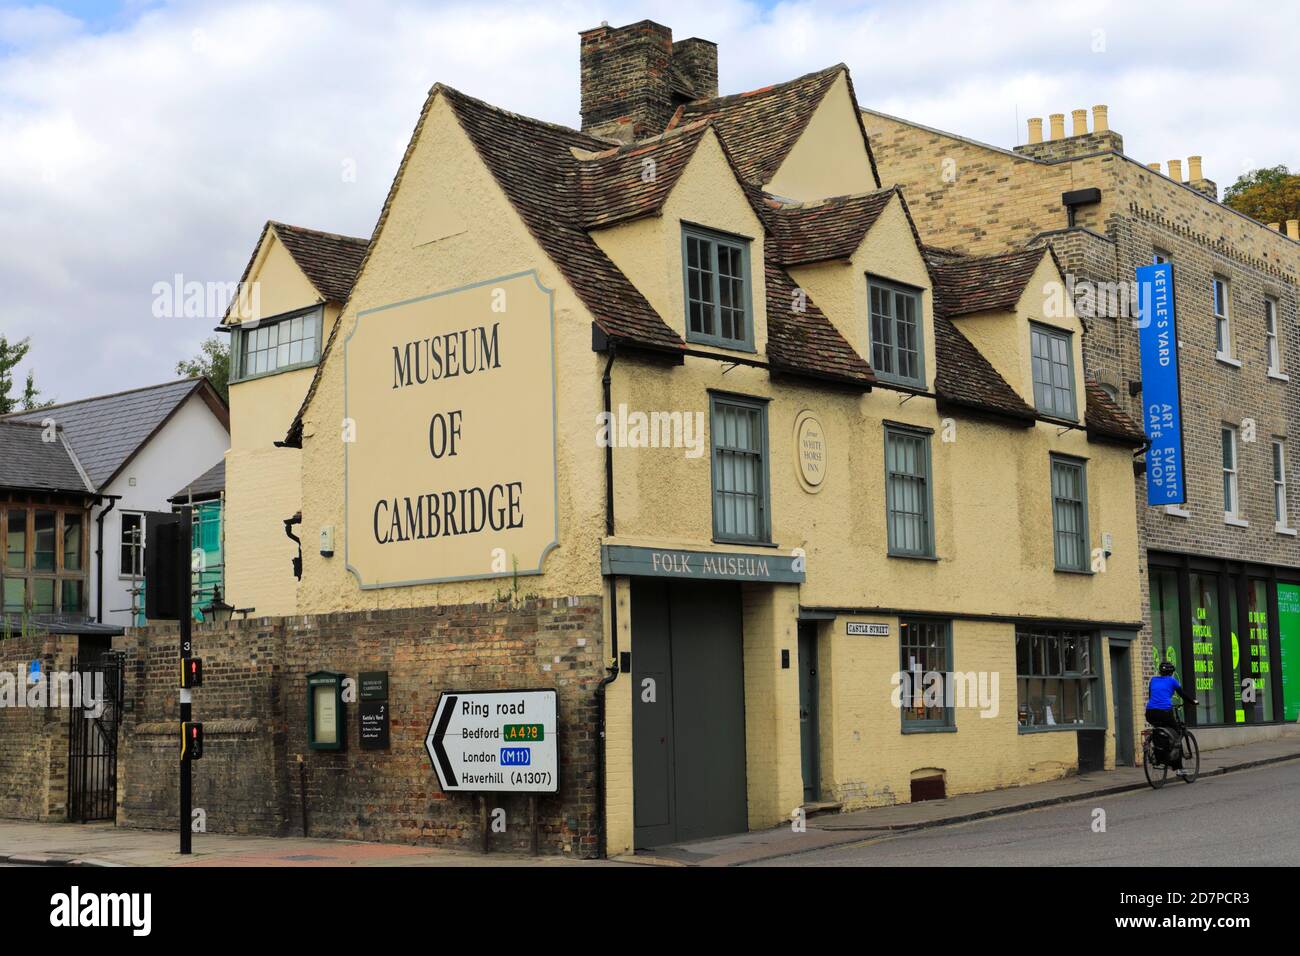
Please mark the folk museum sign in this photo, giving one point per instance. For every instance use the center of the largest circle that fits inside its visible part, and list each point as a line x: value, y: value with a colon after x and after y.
x: 449, y: 435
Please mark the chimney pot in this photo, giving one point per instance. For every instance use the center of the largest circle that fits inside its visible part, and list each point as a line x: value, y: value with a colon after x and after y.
x: 1293, y: 229
x: 1155, y: 166
x: 1058, y: 125
x: 1100, y: 122
x: 1176, y: 170
x: 1036, y: 129
x: 1276, y: 226
x: 1194, y: 168
x: 1080, y: 123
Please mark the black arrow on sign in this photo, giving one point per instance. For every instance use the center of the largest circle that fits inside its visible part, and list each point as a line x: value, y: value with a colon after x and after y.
x: 438, y: 749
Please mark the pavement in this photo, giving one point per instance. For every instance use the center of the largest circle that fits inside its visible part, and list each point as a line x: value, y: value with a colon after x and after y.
x: 68, y: 844
x: 26, y: 843
x: 842, y: 829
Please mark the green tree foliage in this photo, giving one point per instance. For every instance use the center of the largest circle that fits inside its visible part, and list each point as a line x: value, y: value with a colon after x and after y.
x: 1269, y: 195
x: 212, y: 361
x: 11, y: 353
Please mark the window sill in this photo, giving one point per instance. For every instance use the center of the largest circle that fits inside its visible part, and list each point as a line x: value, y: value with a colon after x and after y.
x: 913, y: 557
x: 722, y: 345
x: 1235, y: 522
x: 923, y: 729
x: 1282, y: 529
x: 1176, y: 512
x: 1227, y: 359
x: 1055, y: 728
x: 1075, y: 571
x: 744, y: 543
x: 1278, y: 376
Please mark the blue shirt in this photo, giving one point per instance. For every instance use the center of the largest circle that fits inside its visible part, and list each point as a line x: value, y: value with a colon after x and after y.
x: 1161, y: 694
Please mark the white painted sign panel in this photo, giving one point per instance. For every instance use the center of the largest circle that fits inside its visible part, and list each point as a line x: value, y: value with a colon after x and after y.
x: 495, y: 741
x: 862, y: 629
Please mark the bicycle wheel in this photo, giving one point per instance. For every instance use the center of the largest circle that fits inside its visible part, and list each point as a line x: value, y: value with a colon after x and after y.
x: 1191, y: 758
x: 1155, y: 772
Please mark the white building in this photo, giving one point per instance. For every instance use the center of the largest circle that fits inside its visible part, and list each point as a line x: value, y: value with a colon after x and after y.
x: 136, y: 447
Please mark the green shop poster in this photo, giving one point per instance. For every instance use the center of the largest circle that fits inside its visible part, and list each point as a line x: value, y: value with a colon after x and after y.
x: 1288, y: 612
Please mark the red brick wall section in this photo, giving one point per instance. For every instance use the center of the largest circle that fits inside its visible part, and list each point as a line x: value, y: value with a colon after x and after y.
x: 253, y: 705
x: 34, y: 742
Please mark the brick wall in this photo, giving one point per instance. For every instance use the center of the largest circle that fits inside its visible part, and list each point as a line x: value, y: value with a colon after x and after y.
x: 257, y: 765
x: 33, y: 740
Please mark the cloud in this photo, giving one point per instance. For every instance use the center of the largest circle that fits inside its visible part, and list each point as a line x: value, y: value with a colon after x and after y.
x: 159, y: 142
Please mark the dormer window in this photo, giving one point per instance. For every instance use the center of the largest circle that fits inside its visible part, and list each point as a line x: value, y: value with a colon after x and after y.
x: 1053, y: 359
x: 718, y: 289
x: 896, y: 351
x: 276, y: 345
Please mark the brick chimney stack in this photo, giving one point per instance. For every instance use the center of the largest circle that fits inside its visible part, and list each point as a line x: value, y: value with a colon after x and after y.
x: 1081, y: 142
x: 634, y: 78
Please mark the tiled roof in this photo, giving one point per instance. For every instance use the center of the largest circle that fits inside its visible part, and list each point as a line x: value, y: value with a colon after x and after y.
x: 1105, y: 419
x: 27, y: 461
x: 107, y: 431
x: 329, y: 260
x: 762, y: 126
x: 966, y: 284
x: 633, y: 181
x: 534, y: 164
x: 805, y: 342
x: 210, y: 484
x: 825, y: 230
x: 964, y: 377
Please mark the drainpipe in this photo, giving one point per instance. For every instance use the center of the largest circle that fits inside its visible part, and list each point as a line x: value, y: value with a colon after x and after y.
x: 612, y: 670
x: 99, y: 557
x: 288, y: 526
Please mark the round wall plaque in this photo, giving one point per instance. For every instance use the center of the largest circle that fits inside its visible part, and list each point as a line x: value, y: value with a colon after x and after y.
x: 810, y: 450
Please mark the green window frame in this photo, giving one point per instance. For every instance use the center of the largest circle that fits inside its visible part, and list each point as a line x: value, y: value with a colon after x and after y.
x: 909, y: 494
x: 741, y: 491
x: 897, y: 350
x: 718, y: 289
x: 1058, y: 679
x: 925, y: 647
x: 1053, y: 370
x: 279, y: 344
x: 1070, y: 537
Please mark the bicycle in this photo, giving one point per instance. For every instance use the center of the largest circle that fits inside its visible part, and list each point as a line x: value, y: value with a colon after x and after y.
x: 1157, y: 773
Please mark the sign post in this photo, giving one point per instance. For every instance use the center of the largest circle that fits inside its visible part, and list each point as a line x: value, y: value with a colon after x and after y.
x: 1161, y: 390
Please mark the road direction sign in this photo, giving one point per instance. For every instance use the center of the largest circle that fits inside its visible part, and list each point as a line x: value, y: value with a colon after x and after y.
x: 495, y: 741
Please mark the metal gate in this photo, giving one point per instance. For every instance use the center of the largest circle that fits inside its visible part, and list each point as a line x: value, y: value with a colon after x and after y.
x: 92, y: 739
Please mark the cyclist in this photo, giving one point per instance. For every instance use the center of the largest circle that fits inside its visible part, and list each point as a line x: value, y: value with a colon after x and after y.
x: 1160, y: 708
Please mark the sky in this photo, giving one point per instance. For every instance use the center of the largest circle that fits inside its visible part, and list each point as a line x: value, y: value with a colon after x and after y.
x: 143, y: 143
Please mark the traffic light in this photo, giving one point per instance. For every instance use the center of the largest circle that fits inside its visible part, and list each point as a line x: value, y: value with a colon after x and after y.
x: 191, y: 740
x: 191, y: 672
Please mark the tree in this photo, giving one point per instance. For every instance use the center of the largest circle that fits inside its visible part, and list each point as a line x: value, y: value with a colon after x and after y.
x: 1269, y: 195
x: 11, y: 353
x: 212, y: 361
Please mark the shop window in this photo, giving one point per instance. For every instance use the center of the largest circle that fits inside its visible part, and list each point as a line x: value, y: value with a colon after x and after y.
x: 1256, y: 662
x: 908, y: 497
x: 43, y: 553
x: 1053, y: 370
x: 1166, y: 621
x: 132, y: 545
x: 16, y: 539
x: 1207, y: 657
x: 1057, y: 679
x: 718, y: 289
x: 71, y: 541
x: 1070, y: 514
x: 274, y: 346
x: 43, y: 569
x: 925, y: 656
x: 740, y: 480
x: 15, y: 595
x: 896, y: 352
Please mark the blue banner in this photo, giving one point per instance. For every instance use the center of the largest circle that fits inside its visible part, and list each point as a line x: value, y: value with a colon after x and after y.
x: 1162, y: 417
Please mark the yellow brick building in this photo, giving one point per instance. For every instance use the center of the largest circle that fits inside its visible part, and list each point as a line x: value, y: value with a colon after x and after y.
x: 695, y: 362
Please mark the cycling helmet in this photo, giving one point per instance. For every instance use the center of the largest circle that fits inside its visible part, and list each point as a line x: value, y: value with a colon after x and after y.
x: 1166, y: 668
